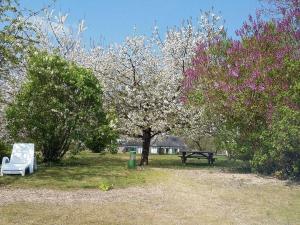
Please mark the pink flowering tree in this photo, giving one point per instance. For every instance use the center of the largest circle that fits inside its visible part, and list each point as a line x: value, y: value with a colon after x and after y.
x: 247, y: 81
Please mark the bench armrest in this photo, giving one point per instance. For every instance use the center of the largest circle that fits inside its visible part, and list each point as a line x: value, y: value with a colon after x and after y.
x: 5, y: 160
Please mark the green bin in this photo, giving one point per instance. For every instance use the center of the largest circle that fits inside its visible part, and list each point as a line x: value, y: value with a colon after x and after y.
x: 132, y: 160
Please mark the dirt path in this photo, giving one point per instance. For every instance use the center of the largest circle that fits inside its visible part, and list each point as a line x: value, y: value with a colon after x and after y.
x: 188, y: 197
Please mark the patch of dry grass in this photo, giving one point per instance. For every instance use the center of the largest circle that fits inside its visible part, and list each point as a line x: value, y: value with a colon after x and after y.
x: 187, y: 197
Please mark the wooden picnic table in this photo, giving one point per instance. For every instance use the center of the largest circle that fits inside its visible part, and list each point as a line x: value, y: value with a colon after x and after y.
x: 198, y: 155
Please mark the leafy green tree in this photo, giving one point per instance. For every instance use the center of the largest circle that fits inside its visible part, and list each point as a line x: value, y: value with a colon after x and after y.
x: 59, y: 103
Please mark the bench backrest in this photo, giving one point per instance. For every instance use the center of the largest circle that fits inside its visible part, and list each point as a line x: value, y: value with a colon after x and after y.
x: 22, y: 153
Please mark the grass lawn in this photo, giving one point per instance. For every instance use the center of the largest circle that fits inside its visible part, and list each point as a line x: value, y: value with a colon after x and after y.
x: 88, y: 170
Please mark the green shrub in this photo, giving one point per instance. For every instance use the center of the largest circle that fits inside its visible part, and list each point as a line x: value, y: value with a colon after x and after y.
x: 113, y: 147
x: 280, y: 153
x: 102, y: 136
x: 105, y: 186
x: 60, y: 103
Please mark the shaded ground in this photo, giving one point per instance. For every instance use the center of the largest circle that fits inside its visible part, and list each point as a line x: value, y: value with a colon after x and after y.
x: 186, y: 196
x: 87, y: 171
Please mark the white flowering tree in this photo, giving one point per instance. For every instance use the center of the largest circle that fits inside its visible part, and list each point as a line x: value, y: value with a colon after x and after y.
x: 135, y: 84
x: 54, y: 34
x: 15, y: 38
x: 143, y: 78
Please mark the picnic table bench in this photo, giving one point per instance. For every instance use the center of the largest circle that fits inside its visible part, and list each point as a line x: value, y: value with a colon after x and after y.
x: 198, y: 155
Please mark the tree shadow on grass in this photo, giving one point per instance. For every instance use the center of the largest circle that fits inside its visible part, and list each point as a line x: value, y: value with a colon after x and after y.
x: 86, y: 170
x: 222, y: 163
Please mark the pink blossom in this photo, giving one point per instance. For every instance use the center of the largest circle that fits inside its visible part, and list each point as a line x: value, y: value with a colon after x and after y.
x: 255, y: 74
x: 252, y: 86
x: 233, y: 73
x: 261, y: 87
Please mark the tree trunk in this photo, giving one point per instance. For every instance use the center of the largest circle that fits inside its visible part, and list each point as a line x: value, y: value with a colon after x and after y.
x: 146, y: 146
x: 198, y: 145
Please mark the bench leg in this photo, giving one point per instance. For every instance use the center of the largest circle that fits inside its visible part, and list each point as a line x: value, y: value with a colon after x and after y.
x: 211, y: 161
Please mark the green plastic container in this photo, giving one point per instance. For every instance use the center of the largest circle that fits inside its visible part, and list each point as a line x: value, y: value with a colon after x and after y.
x: 132, y: 160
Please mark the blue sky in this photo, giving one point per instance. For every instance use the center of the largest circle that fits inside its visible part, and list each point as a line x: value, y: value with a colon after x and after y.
x: 112, y: 20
